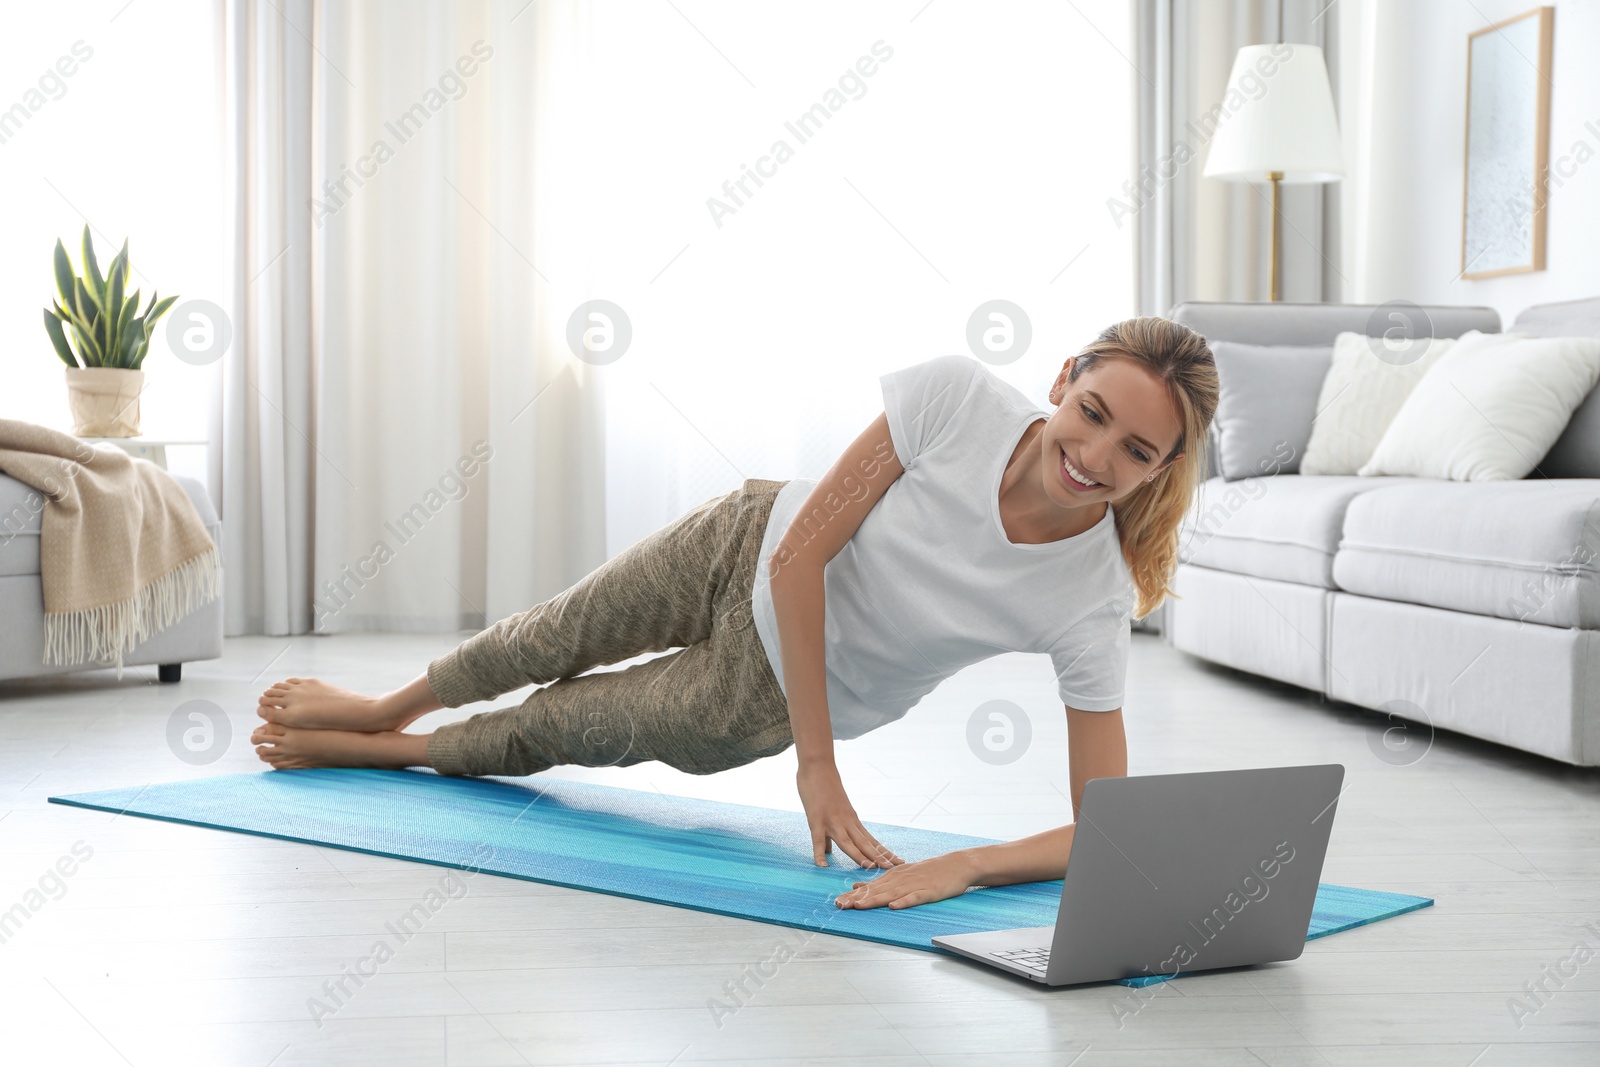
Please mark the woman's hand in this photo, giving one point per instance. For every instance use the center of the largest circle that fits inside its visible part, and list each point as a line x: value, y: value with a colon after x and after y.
x: 834, y: 822
x: 912, y: 883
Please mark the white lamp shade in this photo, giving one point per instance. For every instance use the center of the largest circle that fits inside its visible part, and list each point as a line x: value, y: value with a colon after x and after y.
x: 1277, y: 116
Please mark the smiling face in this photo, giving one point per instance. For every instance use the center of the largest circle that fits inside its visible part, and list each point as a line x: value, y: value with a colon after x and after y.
x: 1112, y: 429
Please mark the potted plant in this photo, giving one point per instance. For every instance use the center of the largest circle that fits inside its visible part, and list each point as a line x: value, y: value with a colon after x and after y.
x: 104, y: 379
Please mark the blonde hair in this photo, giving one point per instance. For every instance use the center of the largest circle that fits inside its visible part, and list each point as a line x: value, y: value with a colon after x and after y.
x: 1148, y: 518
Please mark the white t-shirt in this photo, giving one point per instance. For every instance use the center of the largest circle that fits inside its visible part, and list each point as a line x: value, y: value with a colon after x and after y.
x: 930, y: 583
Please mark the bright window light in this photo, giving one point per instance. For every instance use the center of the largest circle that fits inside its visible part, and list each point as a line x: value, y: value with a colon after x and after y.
x: 109, y: 115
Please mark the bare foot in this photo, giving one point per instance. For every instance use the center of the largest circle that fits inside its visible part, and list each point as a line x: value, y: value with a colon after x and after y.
x: 311, y: 702
x: 289, y: 748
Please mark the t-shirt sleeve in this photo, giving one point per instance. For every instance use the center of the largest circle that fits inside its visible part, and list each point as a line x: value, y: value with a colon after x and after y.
x: 921, y: 402
x: 1091, y: 658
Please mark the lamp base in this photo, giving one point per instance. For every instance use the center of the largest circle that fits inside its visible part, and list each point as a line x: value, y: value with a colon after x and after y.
x: 1274, y: 176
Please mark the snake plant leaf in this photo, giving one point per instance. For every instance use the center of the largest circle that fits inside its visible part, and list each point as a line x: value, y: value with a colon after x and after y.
x: 60, y: 312
x: 158, y: 310
x: 52, y: 326
x: 95, y: 315
x: 86, y: 346
x: 102, y: 333
x: 83, y: 303
x: 130, y: 306
x: 114, y: 326
x: 64, y: 278
x: 98, y: 327
x: 66, y: 282
x: 126, y: 341
x: 130, y: 316
x: 119, y: 262
x: 91, y: 266
x: 66, y: 314
x: 113, y: 312
x: 122, y: 258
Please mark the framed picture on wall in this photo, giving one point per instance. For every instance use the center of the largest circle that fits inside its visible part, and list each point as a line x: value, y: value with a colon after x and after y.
x: 1507, y: 146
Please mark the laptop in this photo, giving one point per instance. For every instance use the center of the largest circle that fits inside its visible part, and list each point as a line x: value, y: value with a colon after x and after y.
x: 1175, y: 873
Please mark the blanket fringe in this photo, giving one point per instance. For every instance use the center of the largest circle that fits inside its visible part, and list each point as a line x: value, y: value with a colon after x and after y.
x: 105, y: 634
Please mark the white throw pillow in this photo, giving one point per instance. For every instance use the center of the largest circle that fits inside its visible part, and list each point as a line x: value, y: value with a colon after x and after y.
x: 1489, y: 409
x: 1367, y: 383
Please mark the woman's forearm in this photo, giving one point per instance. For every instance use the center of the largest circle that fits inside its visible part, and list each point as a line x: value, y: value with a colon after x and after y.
x: 1039, y: 858
x: 798, y: 602
x: 1097, y: 748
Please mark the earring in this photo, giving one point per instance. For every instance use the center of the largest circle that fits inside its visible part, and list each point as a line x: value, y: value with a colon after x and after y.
x: 1150, y: 477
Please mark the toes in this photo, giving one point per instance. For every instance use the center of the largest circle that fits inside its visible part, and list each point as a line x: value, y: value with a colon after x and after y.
x: 276, y: 758
x: 277, y: 761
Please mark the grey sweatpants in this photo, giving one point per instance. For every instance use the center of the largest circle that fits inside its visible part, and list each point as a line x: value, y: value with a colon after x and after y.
x: 711, y: 705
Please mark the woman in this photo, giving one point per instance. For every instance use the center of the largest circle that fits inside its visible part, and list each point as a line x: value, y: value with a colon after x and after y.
x: 963, y: 522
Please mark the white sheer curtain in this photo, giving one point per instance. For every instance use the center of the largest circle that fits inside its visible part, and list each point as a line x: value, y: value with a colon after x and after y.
x: 937, y: 157
x: 261, y: 418
x: 404, y: 443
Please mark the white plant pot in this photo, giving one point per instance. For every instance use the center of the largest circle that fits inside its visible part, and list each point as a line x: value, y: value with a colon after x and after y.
x: 104, y: 401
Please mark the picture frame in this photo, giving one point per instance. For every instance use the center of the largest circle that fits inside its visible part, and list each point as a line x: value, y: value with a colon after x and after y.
x: 1506, y: 154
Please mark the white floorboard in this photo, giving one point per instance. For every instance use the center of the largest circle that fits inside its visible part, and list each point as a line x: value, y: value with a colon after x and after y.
x: 176, y: 945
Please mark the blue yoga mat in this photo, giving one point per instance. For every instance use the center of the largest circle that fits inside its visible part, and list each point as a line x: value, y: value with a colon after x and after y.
x: 732, y: 859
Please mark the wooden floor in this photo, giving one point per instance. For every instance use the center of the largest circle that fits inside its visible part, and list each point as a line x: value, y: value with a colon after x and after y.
x: 173, y: 945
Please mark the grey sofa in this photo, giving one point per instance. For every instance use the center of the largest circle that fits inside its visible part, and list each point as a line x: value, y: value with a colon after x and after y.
x: 1472, y: 607
x: 196, y: 636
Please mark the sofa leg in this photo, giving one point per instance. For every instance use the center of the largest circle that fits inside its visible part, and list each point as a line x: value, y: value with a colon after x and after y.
x: 170, y: 672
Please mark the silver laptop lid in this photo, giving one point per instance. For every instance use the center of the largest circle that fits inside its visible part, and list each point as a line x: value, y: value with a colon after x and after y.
x: 1187, y: 872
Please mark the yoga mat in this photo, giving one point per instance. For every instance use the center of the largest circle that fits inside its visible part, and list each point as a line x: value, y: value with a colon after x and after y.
x: 732, y: 859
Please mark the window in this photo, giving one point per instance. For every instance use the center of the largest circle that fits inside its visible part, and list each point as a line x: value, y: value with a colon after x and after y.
x: 769, y: 289
x: 112, y: 117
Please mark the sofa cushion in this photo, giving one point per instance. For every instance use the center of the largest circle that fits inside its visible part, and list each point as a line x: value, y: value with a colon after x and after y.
x: 21, y: 507
x: 1576, y: 453
x: 1366, y: 385
x: 1285, y: 527
x: 1517, y: 550
x: 1491, y: 406
x: 1267, y: 402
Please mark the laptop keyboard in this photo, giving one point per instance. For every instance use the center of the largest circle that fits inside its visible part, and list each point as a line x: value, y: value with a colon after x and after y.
x: 1034, y: 959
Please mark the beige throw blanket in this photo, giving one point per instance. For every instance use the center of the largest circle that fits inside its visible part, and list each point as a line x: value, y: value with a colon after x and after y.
x: 122, y: 552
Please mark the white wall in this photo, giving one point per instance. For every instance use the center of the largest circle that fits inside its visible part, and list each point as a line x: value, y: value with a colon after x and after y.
x: 1403, y: 109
